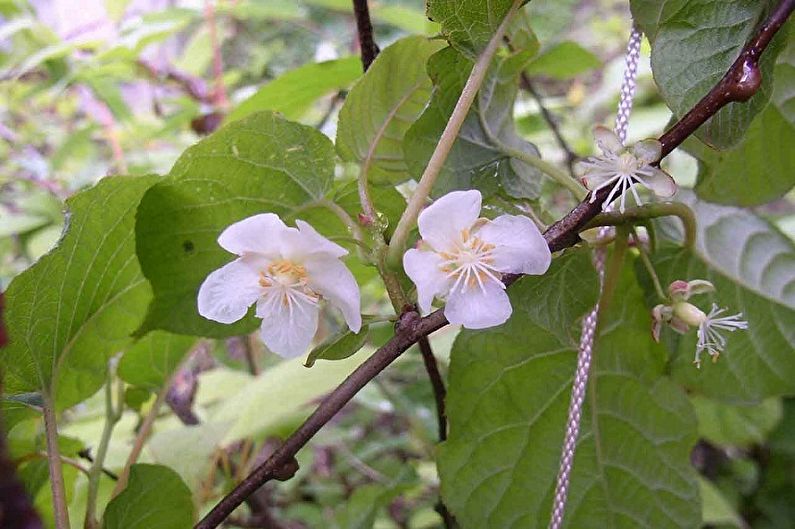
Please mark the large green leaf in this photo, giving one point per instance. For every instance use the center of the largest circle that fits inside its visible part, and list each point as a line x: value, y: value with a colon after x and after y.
x: 752, y: 266
x: 468, y: 24
x: 155, y: 498
x: 507, y: 402
x: 382, y: 105
x: 78, y: 305
x: 280, y: 394
x: 478, y: 157
x: 262, y: 163
x: 759, y: 169
x: 710, y: 35
x: 741, y: 426
x: 151, y: 361
x: 564, y: 60
x: 293, y: 92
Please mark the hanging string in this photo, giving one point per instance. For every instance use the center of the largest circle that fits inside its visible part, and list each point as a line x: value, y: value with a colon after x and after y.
x: 589, y: 324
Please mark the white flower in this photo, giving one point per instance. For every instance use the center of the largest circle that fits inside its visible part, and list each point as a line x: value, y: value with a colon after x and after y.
x: 462, y: 259
x: 681, y: 315
x: 623, y: 169
x: 710, y: 338
x: 286, y: 271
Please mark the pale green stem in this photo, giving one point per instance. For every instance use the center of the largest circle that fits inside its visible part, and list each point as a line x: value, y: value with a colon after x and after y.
x: 112, y: 416
x: 140, y: 439
x: 650, y: 211
x: 447, y: 139
x: 54, y: 463
x: 644, y: 257
x: 343, y: 215
x: 613, y: 273
x: 560, y: 176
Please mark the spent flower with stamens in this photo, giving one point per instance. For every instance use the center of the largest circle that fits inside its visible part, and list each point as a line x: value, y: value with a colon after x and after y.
x: 461, y: 259
x: 681, y: 315
x: 287, y: 272
x: 623, y: 168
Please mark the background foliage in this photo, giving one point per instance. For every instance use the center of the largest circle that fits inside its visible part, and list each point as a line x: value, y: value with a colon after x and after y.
x: 97, y: 267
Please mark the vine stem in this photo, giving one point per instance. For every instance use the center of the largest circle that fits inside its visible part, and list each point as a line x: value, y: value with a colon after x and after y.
x: 364, y: 27
x: 140, y: 439
x: 651, y: 211
x: 644, y: 257
x: 54, y: 463
x: 112, y: 416
x: 447, y: 139
x: 740, y: 83
x: 411, y: 327
x: 561, y: 177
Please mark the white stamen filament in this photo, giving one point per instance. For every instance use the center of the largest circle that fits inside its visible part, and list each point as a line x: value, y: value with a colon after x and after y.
x: 469, y: 262
x: 709, y: 337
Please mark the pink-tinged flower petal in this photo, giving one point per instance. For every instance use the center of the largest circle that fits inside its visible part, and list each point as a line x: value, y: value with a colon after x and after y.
x: 289, y: 322
x: 442, y: 222
x: 519, y: 247
x: 425, y: 270
x: 606, y: 140
x: 260, y: 234
x: 329, y: 277
x: 648, y: 151
x: 227, y: 293
x: 306, y: 242
x: 477, y: 308
x: 660, y: 183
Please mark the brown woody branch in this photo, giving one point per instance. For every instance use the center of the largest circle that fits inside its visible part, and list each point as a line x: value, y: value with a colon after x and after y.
x: 738, y: 84
x: 368, y: 48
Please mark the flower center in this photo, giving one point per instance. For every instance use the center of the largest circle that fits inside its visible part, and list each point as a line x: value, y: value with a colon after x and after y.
x: 470, y: 262
x: 290, y: 279
x: 627, y: 164
x: 285, y: 273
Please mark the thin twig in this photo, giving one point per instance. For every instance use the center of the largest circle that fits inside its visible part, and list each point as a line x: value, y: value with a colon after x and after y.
x: 571, y: 156
x: 140, y: 439
x: 364, y: 27
x: 54, y: 463
x: 112, y: 416
x: 219, y: 90
x: 439, y: 391
x: 447, y: 139
x: 411, y: 327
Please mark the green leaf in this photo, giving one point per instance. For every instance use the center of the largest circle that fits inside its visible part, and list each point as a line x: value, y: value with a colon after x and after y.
x: 339, y: 347
x: 188, y: 450
x: 382, y: 105
x: 742, y: 426
x: 360, y: 510
x: 152, y: 360
x: 693, y: 43
x: 74, y: 308
x: 563, y: 61
x: 262, y: 163
x: 155, y: 498
x: 759, y: 169
x: 717, y: 510
x: 507, y: 404
x: 568, y: 290
x: 293, y: 92
x: 468, y: 24
x: 478, y: 157
x: 752, y: 266
x: 280, y: 394
x: 549, y: 20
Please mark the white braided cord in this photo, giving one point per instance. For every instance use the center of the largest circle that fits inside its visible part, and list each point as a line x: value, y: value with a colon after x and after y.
x: 589, y: 324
